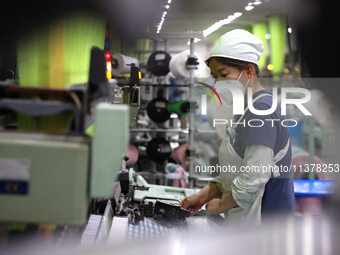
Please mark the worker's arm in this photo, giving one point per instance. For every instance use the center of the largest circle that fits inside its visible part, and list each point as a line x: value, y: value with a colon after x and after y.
x: 197, y: 200
x: 209, y: 192
x: 245, y: 186
x: 217, y: 205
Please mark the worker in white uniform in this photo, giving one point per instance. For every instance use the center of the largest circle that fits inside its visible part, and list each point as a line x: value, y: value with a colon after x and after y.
x: 247, y: 196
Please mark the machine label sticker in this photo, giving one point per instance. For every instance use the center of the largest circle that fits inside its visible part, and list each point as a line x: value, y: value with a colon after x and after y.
x: 160, y: 56
x: 14, y: 176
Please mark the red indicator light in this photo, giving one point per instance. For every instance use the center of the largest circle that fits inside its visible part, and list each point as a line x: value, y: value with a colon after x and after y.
x: 108, y: 56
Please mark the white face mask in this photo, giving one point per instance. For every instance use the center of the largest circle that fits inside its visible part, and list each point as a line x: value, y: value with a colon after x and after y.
x: 226, y: 110
x: 223, y: 88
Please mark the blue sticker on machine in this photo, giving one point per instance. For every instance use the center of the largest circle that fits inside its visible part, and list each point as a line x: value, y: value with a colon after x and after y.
x: 14, y: 175
x: 13, y: 187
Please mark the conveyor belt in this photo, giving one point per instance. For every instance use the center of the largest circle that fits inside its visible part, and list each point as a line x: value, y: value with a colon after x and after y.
x: 122, y: 230
x: 91, y: 230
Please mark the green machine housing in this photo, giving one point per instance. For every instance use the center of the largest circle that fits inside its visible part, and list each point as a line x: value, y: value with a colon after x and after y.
x: 46, y: 178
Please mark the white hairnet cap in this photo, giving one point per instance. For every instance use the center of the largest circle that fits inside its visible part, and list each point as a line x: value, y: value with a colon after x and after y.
x: 238, y: 44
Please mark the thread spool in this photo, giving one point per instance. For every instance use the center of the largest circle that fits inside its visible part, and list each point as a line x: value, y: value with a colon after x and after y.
x: 158, y: 63
x: 179, y: 70
x: 132, y: 153
x: 157, y: 110
x: 158, y: 150
x: 179, y: 156
x: 121, y: 63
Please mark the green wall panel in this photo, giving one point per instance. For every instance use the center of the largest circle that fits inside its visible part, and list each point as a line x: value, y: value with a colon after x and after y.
x: 260, y: 30
x: 277, y: 29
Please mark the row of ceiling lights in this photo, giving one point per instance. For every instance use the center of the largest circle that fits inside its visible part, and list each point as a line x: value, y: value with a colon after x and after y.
x: 167, y: 6
x: 251, y: 5
x: 217, y: 24
x: 228, y: 20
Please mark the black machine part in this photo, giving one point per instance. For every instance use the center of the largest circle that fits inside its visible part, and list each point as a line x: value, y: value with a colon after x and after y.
x: 158, y: 63
x: 40, y: 108
x: 134, y: 75
x: 173, y: 214
x: 98, y: 83
x: 37, y: 103
x: 158, y: 149
x: 166, y: 212
x: 192, y: 63
x: 139, y: 212
x: 123, y: 178
x: 185, y: 107
x: 170, y: 212
x: 189, y: 107
x: 157, y: 110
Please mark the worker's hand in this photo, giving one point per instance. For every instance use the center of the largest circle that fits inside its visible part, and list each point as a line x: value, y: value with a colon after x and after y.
x: 213, y: 206
x: 193, y: 203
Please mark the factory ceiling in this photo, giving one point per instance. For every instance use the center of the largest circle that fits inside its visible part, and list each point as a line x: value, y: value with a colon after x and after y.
x: 135, y: 16
x: 132, y: 18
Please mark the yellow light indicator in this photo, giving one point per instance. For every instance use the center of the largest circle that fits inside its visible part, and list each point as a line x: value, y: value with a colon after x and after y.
x: 270, y: 67
x: 108, y: 70
x: 286, y: 70
x: 140, y: 75
x: 297, y: 69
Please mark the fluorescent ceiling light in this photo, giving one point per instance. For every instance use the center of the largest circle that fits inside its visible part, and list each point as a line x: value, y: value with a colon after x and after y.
x: 231, y: 17
x: 225, y: 21
x: 249, y: 8
x: 237, y: 14
x: 219, y: 24
x: 163, y: 17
